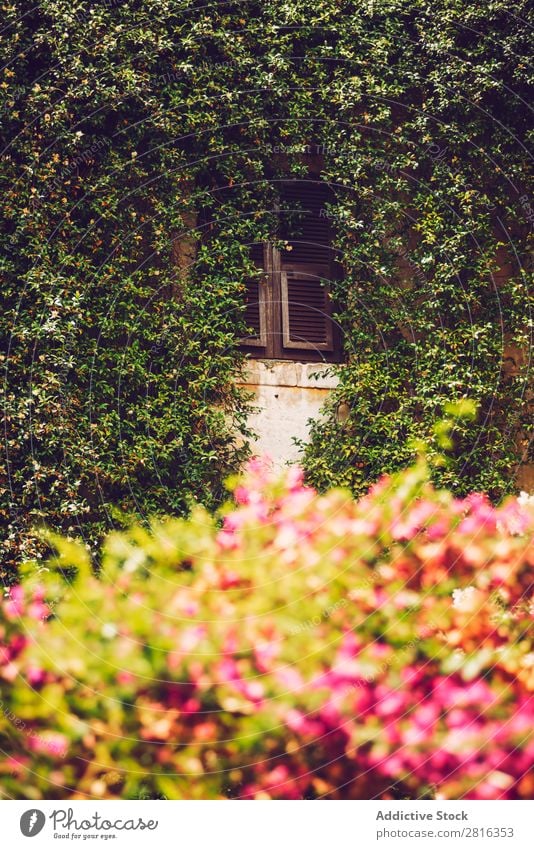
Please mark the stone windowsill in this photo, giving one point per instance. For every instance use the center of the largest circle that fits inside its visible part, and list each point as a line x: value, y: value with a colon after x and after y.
x: 289, y: 373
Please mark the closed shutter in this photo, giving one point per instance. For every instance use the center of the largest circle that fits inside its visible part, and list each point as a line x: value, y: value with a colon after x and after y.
x: 306, y: 311
x: 304, y: 222
x: 306, y: 266
x: 254, y: 297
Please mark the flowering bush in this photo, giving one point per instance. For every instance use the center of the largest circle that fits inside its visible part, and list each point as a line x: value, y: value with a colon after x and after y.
x: 301, y: 646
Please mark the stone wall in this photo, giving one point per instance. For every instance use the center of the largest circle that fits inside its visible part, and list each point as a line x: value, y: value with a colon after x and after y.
x: 287, y: 395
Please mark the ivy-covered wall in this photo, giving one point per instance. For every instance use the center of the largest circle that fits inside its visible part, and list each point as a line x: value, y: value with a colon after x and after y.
x: 127, y: 124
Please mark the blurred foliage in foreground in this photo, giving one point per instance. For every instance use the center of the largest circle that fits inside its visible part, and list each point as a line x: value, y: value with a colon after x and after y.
x: 308, y: 646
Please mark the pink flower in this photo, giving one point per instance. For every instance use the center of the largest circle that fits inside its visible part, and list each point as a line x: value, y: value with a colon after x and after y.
x: 49, y: 743
x: 14, y: 605
x: 390, y: 703
x: 227, y: 541
x: 301, y: 724
x: 290, y: 678
x: 264, y: 654
x: 407, y: 526
x: 38, y: 610
x: 252, y: 690
x: 242, y: 495
x: 294, y: 478
x: 35, y: 676
x: 229, y: 579
x: 190, y: 637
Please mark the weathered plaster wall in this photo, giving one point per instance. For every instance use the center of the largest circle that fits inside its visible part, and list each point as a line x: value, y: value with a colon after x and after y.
x: 287, y: 395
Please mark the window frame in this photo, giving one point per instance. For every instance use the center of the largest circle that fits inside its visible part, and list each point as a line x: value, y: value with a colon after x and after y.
x: 273, y: 342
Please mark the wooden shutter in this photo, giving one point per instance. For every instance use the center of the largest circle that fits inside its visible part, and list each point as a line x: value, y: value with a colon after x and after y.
x: 306, y: 311
x: 255, y: 306
x: 304, y: 222
x: 306, y: 267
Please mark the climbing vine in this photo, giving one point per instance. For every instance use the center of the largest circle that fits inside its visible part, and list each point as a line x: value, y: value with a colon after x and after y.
x: 132, y: 129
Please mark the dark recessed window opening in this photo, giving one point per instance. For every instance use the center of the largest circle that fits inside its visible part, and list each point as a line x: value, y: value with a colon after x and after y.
x: 288, y: 306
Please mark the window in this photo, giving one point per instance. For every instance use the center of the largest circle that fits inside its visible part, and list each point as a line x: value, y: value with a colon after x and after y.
x: 288, y: 304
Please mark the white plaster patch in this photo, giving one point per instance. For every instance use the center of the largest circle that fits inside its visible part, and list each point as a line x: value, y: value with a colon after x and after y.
x: 287, y: 396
